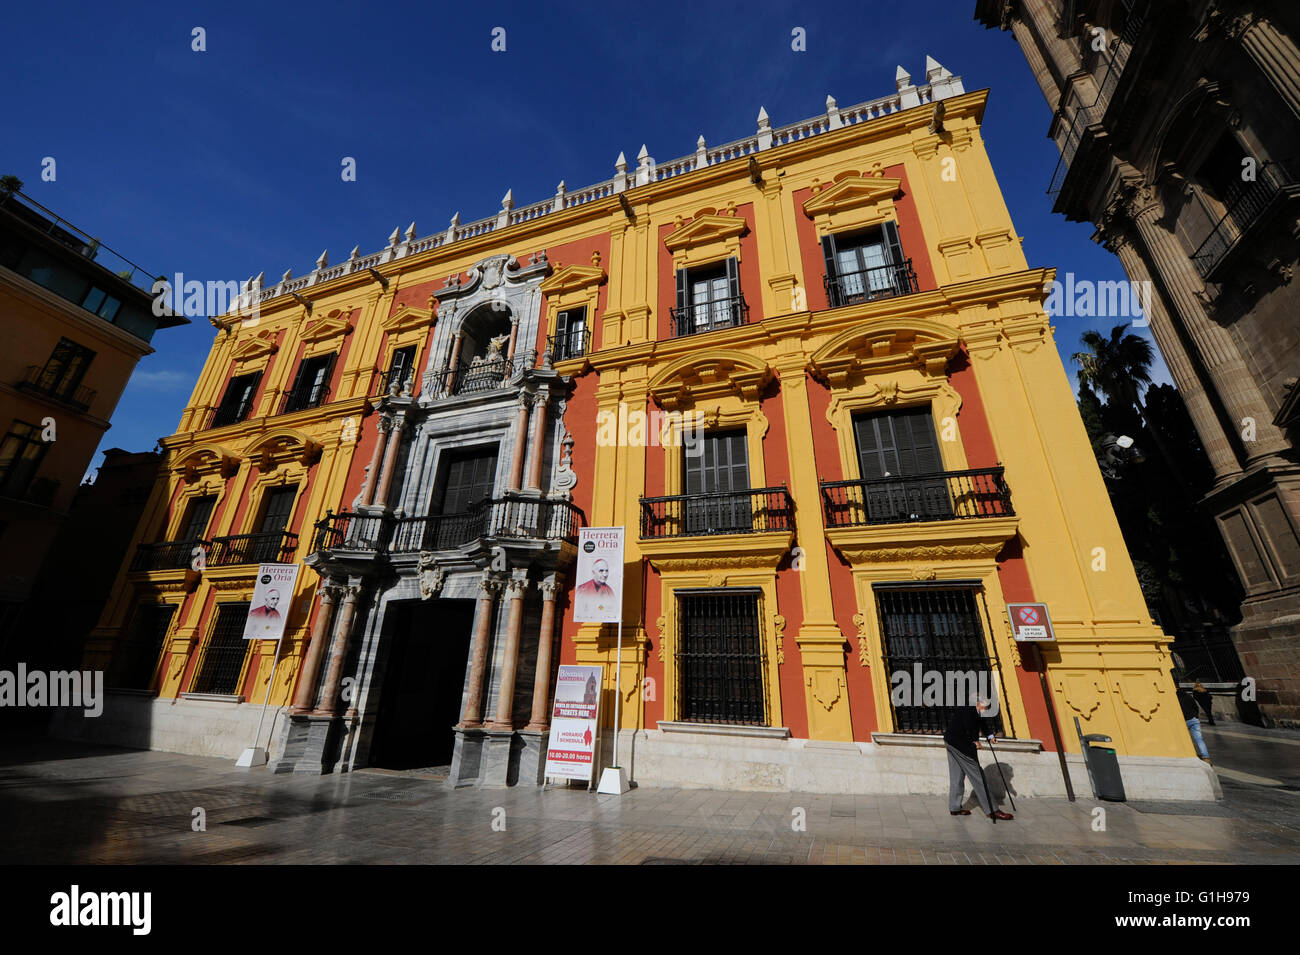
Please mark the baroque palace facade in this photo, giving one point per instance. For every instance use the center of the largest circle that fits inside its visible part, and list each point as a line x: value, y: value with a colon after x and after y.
x: 808, y: 371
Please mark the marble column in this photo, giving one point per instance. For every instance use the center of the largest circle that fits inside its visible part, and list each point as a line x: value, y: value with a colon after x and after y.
x: 1232, y: 379
x: 521, y: 435
x: 515, y: 589
x: 390, y: 463
x: 453, y: 363
x: 305, y: 698
x: 488, y: 588
x: 383, y: 425
x: 541, y: 715
x: 1275, y: 54
x: 536, y: 441
x: 514, y: 336
x: 1208, y: 427
x: 329, y: 699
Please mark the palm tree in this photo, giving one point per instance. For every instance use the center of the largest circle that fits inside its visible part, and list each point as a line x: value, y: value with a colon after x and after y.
x: 1115, y: 367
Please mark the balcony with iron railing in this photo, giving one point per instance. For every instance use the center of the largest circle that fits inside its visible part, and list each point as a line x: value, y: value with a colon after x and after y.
x: 480, y: 376
x: 571, y: 344
x: 695, y: 319
x: 944, y: 496
x: 1246, y: 210
x: 47, y: 386
x: 757, y: 511
x: 502, y: 518
x: 867, y: 285
x: 166, y: 555
x: 300, y: 399
x: 272, y: 547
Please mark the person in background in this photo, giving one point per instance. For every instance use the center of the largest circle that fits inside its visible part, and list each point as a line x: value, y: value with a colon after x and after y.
x: 965, y: 727
x: 1205, y: 701
x: 1193, y: 724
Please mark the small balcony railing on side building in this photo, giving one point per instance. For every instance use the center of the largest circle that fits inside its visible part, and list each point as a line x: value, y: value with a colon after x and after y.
x: 36, y: 382
x: 1245, y: 209
x: 167, y: 555
x: 571, y: 344
x: 944, y: 496
x: 756, y: 511
x: 273, y: 547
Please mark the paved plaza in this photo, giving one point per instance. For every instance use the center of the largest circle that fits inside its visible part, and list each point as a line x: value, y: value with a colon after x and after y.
x: 68, y: 803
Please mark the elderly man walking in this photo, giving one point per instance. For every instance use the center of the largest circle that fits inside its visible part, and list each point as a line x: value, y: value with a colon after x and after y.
x: 966, y: 726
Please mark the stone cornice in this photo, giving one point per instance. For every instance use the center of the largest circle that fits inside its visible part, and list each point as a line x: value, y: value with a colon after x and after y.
x: 717, y: 552
x: 974, y: 539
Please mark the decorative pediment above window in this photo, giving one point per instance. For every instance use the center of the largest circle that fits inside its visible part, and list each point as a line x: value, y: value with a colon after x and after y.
x: 282, y: 446
x: 885, y: 345
x: 574, y: 278
x: 710, y: 375
x: 408, y: 317
x: 255, y: 348
x: 205, y: 459
x: 322, y: 329
x: 706, y: 238
x: 853, y: 202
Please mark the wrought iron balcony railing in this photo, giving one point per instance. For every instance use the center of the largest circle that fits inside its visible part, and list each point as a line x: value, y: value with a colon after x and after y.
x: 223, y: 415
x: 867, y: 285
x: 1245, y: 209
x: 50, y: 387
x: 756, y: 511
x: 477, y: 376
x: 512, y: 518
x: 945, y: 496
x: 572, y: 344
x: 710, y: 316
x: 167, y: 555
x: 303, y: 398
x: 275, y: 547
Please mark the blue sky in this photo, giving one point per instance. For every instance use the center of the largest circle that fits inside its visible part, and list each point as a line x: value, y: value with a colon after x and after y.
x: 225, y: 163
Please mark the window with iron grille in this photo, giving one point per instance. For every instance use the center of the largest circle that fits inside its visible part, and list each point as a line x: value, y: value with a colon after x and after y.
x: 862, y: 266
x: 720, y: 658
x: 896, y: 451
x: 400, y: 368
x: 197, y: 516
x: 570, y: 333
x: 223, y: 655
x: 237, y: 402
x: 66, y: 367
x: 709, y: 297
x: 138, y: 656
x: 311, y: 384
x: 937, y: 629
x: 21, y: 453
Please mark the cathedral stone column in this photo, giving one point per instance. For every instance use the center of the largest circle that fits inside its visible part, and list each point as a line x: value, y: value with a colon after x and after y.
x: 390, y: 462
x: 329, y: 698
x: 536, y: 441
x: 541, y: 715
x: 1233, y: 381
x: 383, y: 425
x: 320, y: 635
x: 516, y: 588
x: 1217, y: 446
x: 488, y: 588
x: 517, y: 452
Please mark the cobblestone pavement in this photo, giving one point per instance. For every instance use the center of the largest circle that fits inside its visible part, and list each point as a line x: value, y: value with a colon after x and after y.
x: 67, y: 803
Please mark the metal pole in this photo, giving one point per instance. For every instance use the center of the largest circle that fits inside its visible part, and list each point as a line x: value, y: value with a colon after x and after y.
x: 266, y: 702
x: 618, y: 680
x: 1051, y: 719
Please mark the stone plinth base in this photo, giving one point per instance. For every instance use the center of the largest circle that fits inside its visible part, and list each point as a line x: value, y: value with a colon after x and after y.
x: 309, y: 744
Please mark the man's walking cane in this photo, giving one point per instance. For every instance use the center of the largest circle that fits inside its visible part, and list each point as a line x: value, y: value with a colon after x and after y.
x: 1000, y: 773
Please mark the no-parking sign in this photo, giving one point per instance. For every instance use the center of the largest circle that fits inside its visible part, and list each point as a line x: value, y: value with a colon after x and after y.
x: 1030, y: 622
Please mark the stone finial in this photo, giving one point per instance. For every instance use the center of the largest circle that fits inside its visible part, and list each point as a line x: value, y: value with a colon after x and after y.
x: 643, y: 155
x: 833, y: 113
x: 764, y: 122
x: 933, y: 69
x: 595, y: 258
x: 261, y: 278
x: 620, y: 164
x: 288, y: 274
x: 394, y: 236
x: 410, y: 232
x: 508, y: 200
x: 355, y: 253
x: 699, y: 143
x: 902, y: 78
x: 701, y: 153
x: 764, y: 129
x: 324, y: 259
x: 455, y: 219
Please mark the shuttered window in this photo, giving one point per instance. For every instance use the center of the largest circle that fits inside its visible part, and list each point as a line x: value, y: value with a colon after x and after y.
x: 65, y: 369
x: 716, y: 481
x: 898, y: 450
x: 237, y: 402
x: 861, y: 266
x: 400, y: 368
x: 276, y: 510
x: 470, y: 476
x: 570, y: 333
x: 709, y: 297
x: 197, y: 517
x: 311, y: 384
